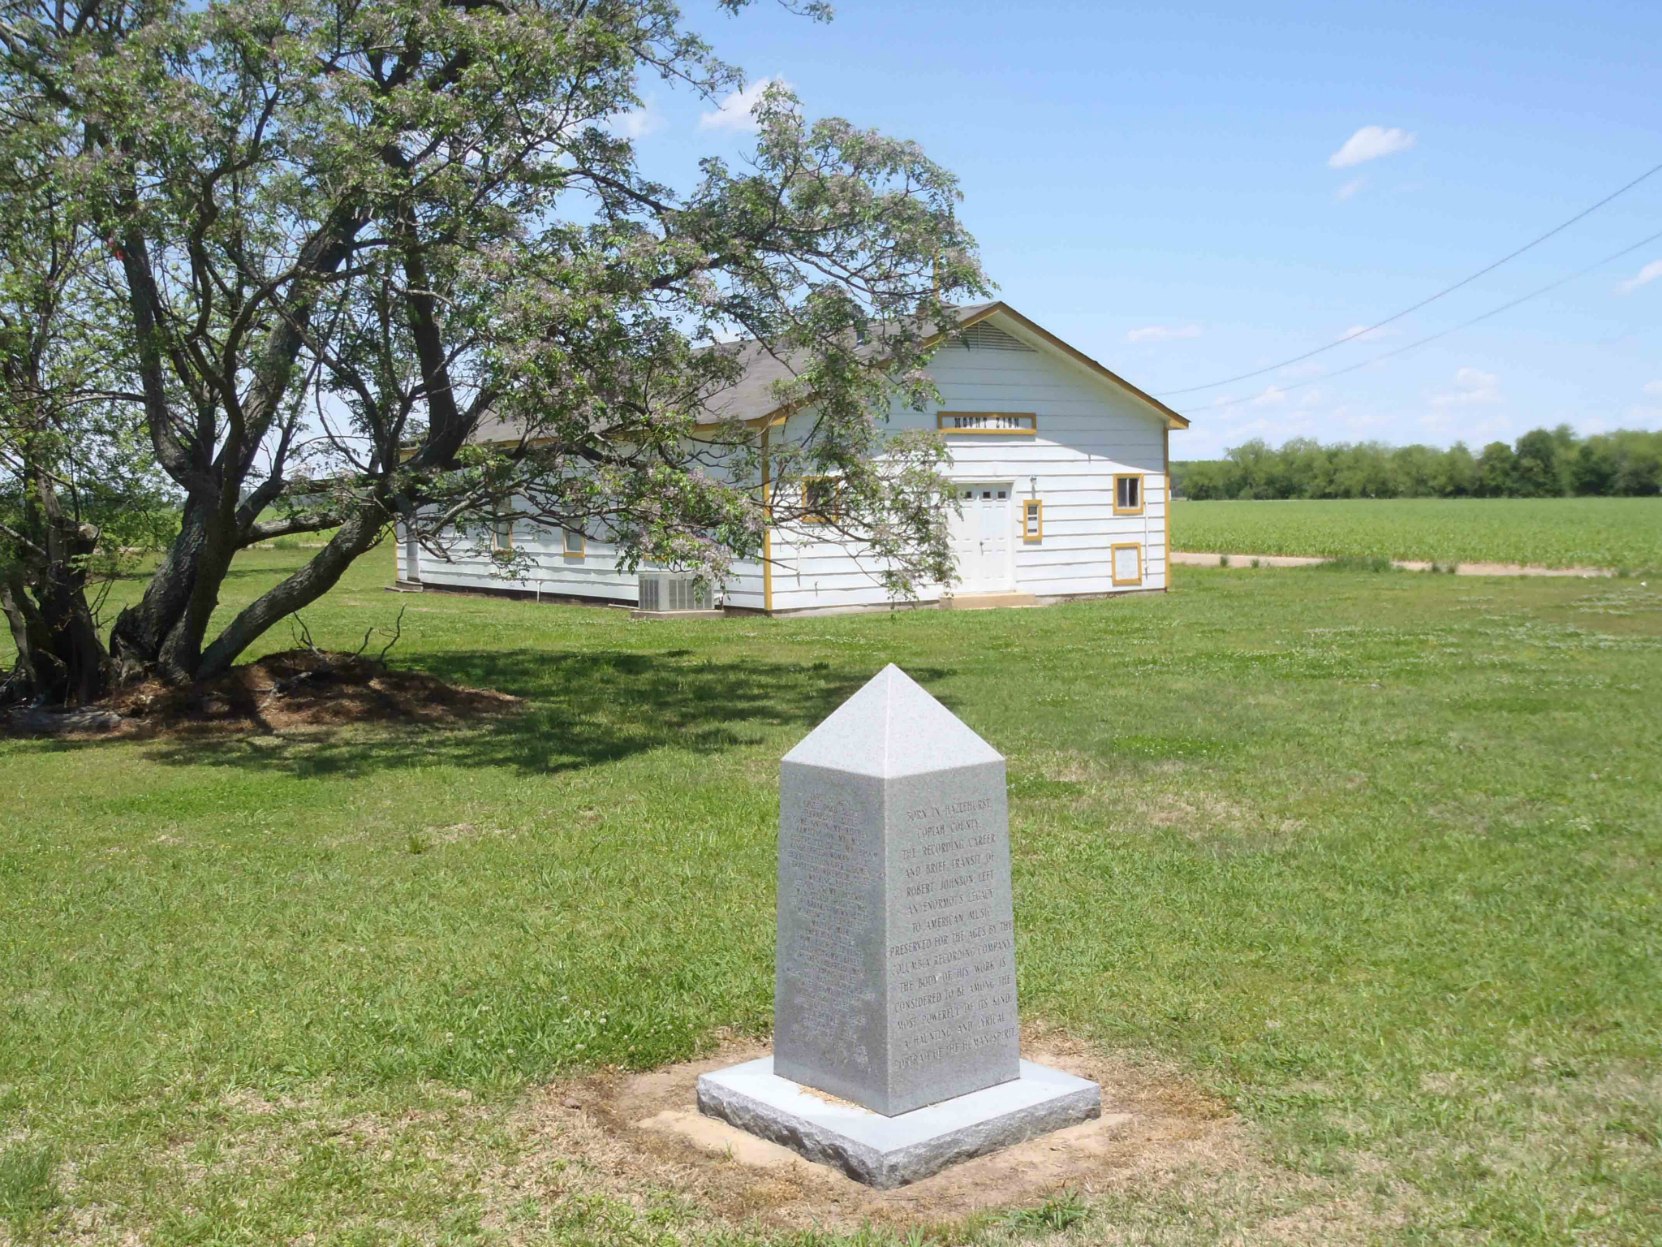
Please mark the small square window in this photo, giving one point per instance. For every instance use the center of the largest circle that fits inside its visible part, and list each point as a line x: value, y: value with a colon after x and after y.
x: 574, y: 544
x: 821, y: 499
x: 502, y: 533
x: 1128, y: 495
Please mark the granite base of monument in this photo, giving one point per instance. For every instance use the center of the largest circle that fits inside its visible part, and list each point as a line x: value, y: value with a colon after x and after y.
x: 887, y: 1152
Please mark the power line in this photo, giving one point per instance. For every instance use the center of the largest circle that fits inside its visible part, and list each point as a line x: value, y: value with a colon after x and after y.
x: 1396, y: 316
x: 1443, y: 333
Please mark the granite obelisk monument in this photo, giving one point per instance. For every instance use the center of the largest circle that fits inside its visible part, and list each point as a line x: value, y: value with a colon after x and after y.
x: 896, y: 1044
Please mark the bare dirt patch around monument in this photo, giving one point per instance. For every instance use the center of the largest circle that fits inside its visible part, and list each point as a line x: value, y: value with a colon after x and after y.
x: 288, y: 691
x: 644, y: 1132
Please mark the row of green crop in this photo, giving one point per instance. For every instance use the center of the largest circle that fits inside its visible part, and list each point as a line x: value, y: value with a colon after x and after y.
x: 1615, y: 533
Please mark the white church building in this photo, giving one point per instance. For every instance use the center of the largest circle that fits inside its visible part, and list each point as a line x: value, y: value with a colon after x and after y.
x: 1061, y: 468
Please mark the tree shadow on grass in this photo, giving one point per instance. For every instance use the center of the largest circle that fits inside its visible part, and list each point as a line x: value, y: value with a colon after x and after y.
x: 581, y: 709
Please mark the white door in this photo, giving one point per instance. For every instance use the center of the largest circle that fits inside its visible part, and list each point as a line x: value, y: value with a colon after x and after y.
x: 982, y: 539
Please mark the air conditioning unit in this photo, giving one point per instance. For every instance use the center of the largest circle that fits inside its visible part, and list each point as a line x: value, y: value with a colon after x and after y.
x: 664, y: 593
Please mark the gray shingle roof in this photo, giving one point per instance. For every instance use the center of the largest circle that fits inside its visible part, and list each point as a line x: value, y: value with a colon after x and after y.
x: 752, y: 396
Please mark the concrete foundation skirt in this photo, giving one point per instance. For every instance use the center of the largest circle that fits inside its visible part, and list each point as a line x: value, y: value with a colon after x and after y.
x: 886, y: 1152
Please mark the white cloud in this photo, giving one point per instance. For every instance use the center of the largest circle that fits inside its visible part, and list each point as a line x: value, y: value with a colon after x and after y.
x: 1370, y: 143
x: 637, y: 123
x: 1654, y: 388
x: 1349, y: 188
x: 1643, y: 277
x: 1294, y: 409
x: 1162, y: 333
x: 734, y: 111
x: 1471, y: 386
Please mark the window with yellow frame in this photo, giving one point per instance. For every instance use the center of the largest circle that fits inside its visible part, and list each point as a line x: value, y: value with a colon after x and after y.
x: 502, y: 534
x: 1126, y: 563
x: 1128, y: 493
x: 1032, y: 520
x: 821, y: 499
x: 996, y: 422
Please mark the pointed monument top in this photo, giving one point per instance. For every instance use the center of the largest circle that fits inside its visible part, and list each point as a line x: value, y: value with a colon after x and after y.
x: 892, y: 726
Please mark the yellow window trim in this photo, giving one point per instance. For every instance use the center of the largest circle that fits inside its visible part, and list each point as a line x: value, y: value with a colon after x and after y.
x: 943, y: 422
x: 1035, y: 508
x: 814, y: 517
x: 582, y: 550
x: 1142, y: 493
x: 1114, y: 562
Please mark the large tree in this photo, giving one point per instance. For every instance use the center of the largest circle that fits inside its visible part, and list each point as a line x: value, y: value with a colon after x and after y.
x: 77, y: 490
x: 350, y: 238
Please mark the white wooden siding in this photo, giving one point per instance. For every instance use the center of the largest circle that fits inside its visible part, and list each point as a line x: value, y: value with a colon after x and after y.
x: 595, y: 576
x: 1087, y: 433
x: 470, y: 566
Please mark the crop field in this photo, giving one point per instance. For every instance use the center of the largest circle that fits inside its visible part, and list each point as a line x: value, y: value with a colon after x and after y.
x: 1623, y: 534
x: 1361, y: 867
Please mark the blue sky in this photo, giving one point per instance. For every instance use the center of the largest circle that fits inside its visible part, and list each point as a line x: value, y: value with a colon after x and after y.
x: 1158, y: 185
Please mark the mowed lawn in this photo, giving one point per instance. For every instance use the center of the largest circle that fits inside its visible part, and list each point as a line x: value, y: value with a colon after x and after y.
x: 1622, y: 534
x: 1371, y: 858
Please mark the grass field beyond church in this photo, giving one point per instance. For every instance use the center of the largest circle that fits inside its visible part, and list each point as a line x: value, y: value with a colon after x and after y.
x: 1373, y: 858
x: 1614, y: 533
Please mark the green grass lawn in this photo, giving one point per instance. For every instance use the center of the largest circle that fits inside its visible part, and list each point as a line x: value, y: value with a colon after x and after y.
x: 1615, y: 533
x: 1374, y: 858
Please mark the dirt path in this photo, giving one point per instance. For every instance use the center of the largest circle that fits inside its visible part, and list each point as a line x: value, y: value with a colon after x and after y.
x: 1191, y: 558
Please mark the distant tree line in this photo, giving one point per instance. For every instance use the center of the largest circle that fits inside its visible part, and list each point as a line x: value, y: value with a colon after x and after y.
x: 1543, y: 463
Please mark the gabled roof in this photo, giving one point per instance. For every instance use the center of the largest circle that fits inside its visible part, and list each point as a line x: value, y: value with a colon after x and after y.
x: 752, y: 397
x: 1173, y: 419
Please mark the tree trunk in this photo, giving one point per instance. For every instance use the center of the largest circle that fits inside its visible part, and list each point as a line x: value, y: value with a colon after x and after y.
x: 60, y: 659
x: 59, y: 656
x: 180, y: 657
x: 359, y: 533
x: 80, y: 655
x: 31, y: 677
x: 140, y: 630
x: 164, y: 633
